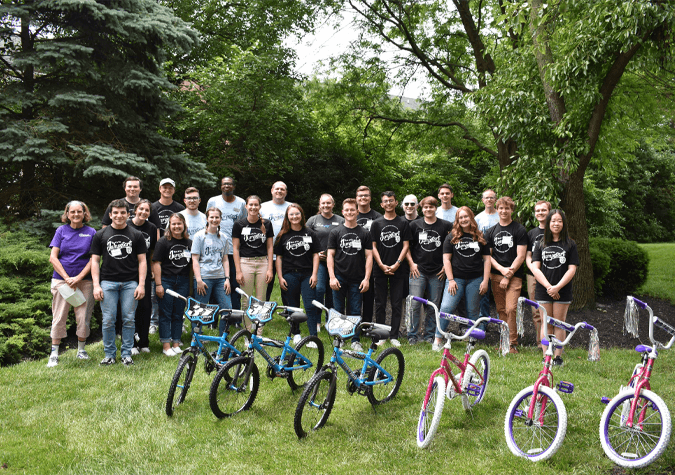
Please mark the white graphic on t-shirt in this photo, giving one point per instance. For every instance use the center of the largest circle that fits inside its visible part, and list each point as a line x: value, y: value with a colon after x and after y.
x: 179, y: 255
x: 119, y: 246
x: 298, y: 245
x: 146, y: 236
x: 467, y: 247
x: 553, y: 257
x: 365, y: 223
x: 429, y: 240
x: 350, y: 244
x: 503, y: 242
x: 253, y: 237
x: 164, y: 217
x: 390, y: 236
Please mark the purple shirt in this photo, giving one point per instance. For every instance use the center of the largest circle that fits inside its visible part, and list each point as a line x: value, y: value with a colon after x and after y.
x: 73, y: 245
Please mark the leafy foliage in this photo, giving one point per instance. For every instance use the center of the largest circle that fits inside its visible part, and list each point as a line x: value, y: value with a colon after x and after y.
x: 621, y: 266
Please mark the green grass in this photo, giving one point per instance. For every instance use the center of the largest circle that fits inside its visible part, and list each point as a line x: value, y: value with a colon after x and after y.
x: 82, y: 418
x: 660, y: 282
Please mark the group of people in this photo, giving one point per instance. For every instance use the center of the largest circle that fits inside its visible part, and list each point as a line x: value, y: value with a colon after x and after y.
x: 353, y: 263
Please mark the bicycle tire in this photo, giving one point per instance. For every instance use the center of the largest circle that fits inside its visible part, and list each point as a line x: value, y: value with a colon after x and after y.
x: 181, y: 379
x: 534, y: 440
x: 481, y: 361
x: 430, y: 414
x: 392, y: 361
x: 240, y: 341
x: 644, y: 443
x: 315, y: 404
x: 298, y: 378
x: 229, y: 393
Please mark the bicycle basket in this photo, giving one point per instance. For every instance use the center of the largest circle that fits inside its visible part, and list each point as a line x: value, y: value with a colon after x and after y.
x: 343, y: 326
x: 200, y: 312
x: 259, y: 310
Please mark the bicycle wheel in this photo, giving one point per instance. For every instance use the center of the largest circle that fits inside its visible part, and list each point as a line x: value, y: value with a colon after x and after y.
x: 392, y: 361
x: 230, y: 391
x: 643, y: 443
x: 475, y: 384
x: 540, y: 438
x: 315, y: 404
x: 430, y: 415
x: 181, y: 380
x: 314, y: 353
x: 240, y: 341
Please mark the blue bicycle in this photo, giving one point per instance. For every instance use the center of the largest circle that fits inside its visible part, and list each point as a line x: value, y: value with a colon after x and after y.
x: 203, y: 314
x: 379, y: 379
x: 236, y: 385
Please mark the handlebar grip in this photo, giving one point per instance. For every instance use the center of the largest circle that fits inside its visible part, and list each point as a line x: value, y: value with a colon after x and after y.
x: 664, y: 326
x: 588, y: 326
x: 173, y: 293
x: 231, y: 312
x: 318, y: 304
x: 640, y: 303
x: 496, y: 320
x: 531, y: 303
x: 240, y: 291
x: 420, y: 299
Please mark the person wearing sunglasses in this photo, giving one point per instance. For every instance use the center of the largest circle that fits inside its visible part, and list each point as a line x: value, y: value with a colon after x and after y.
x: 410, y: 206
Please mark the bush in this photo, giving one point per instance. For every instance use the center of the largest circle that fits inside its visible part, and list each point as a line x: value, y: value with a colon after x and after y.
x: 626, y: 263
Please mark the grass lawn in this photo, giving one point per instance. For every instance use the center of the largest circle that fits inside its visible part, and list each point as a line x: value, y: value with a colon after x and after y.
x: 82, y: 418
x: 660, y: 282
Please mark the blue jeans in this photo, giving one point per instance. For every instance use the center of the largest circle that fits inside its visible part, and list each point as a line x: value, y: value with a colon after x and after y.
x: 485, y: 302
x: 214, y: 288
x: 430, y: 286
x: 122, y: 292
x: 298, y: 284
x: 467, y: 288
x: 350, y: 292
x: 323, y: 292
x: 154, y: 318
x: 171, y: 309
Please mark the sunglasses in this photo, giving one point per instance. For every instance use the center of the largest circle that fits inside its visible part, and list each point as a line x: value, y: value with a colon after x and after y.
x: 409, y: 204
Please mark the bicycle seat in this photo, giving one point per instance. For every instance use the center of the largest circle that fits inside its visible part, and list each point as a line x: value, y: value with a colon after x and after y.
x: 200, y: 312
x: 231, y: 316
x: 643, y: 348
x: 297, y: 317
x: 377, y: 334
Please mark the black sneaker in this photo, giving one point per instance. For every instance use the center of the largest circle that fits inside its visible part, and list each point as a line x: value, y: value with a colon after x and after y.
x: 107, y: 361
x: 558, y: 361
x: 127, y: 361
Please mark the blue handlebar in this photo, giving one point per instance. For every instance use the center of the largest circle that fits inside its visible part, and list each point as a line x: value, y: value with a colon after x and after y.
x: 640, y: 303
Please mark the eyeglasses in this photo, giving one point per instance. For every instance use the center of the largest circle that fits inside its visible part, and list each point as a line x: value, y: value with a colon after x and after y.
x: 191, y: 198
x: 409, y: 204
x: 489, y: 198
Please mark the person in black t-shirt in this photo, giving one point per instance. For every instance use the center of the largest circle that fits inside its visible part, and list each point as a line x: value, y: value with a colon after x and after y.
x: 427, y: 277
x: 365, y: 218
x: 391, y: 241
x: 466, y: 260
x: 508, y: 243
x: 350, y: 263
x: 171, y: 265
x: 132, y: 189
x: 165, y: 206
x: 144, y: 310
x: 555, y: 260
x: 297, y: 249
x: 541, y: 210
x: 118, y: 269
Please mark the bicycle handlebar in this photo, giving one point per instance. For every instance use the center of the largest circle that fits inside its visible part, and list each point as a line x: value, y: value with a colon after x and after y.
x: 173, y: 293
x: 640, y: 303
x: 531, y: 303
x: 567, y: 327
x: 472, y: 324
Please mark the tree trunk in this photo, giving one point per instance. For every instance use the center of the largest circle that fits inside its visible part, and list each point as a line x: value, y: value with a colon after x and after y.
x: 574, y: 205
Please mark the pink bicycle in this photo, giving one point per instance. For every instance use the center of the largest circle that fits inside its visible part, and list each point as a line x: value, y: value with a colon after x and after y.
x: 474, y: 371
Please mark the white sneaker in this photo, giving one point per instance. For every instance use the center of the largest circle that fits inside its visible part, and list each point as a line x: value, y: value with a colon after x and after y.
x: 134, y: 351
x: 145, y: 350
x: 153, y: 329
x: 356, y: 346
x: 395, y: 342
x: 436, y: 346
x: 53, y: 361
x: 380, y: 342
x: 296, y: 339
x: 177, y: 350
x: 311, y: 344
x: 169, y: 352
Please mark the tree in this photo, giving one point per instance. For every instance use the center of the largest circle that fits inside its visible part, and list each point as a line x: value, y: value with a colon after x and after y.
x: 83, y: 99
x: 539, y: 77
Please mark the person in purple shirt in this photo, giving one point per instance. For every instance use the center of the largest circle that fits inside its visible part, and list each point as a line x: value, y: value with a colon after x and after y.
x: 72, y: 266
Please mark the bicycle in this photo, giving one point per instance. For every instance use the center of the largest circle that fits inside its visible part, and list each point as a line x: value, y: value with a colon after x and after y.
x: 536, y: 420
x: 236, y: 385
x: 635, y: 426
x: 379, y: 380
x: 203, y: 314
x: 474, y: 372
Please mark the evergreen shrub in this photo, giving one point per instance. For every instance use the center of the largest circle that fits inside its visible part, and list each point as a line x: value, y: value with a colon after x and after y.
x: 627, y: 266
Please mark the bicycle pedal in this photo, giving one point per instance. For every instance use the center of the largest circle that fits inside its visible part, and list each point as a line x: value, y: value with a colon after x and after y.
x: 473, y: 390
x: 565, y: 387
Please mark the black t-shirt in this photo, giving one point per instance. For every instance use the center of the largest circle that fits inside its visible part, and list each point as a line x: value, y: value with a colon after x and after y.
x: 119, y: 250
x: 153, y: 218
x: 555, y: 261
x: 350, y: 246
x: 252, y: 241
x: 504, y: 242
x: 533, y: 236
x: 174, y: 255
x: 389, y: 235
x: 297, y: 249
x: 426, y: 244
x: 366, y: 220
x: 322, y: 227
x: 164, y: 212
x: 149, y: 232
x: 467, y: 256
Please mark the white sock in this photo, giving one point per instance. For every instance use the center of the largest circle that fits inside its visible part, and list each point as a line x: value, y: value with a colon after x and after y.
x: 55, y: 350
x: 80, y: 345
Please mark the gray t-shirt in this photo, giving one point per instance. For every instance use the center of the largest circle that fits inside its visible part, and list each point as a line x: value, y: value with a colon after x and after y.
x: 209, y: 250
x: 231, y: 212
x: 486, y: 221
x: 446, y: 214
x: 194, y: 223
x: 274, y: 213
